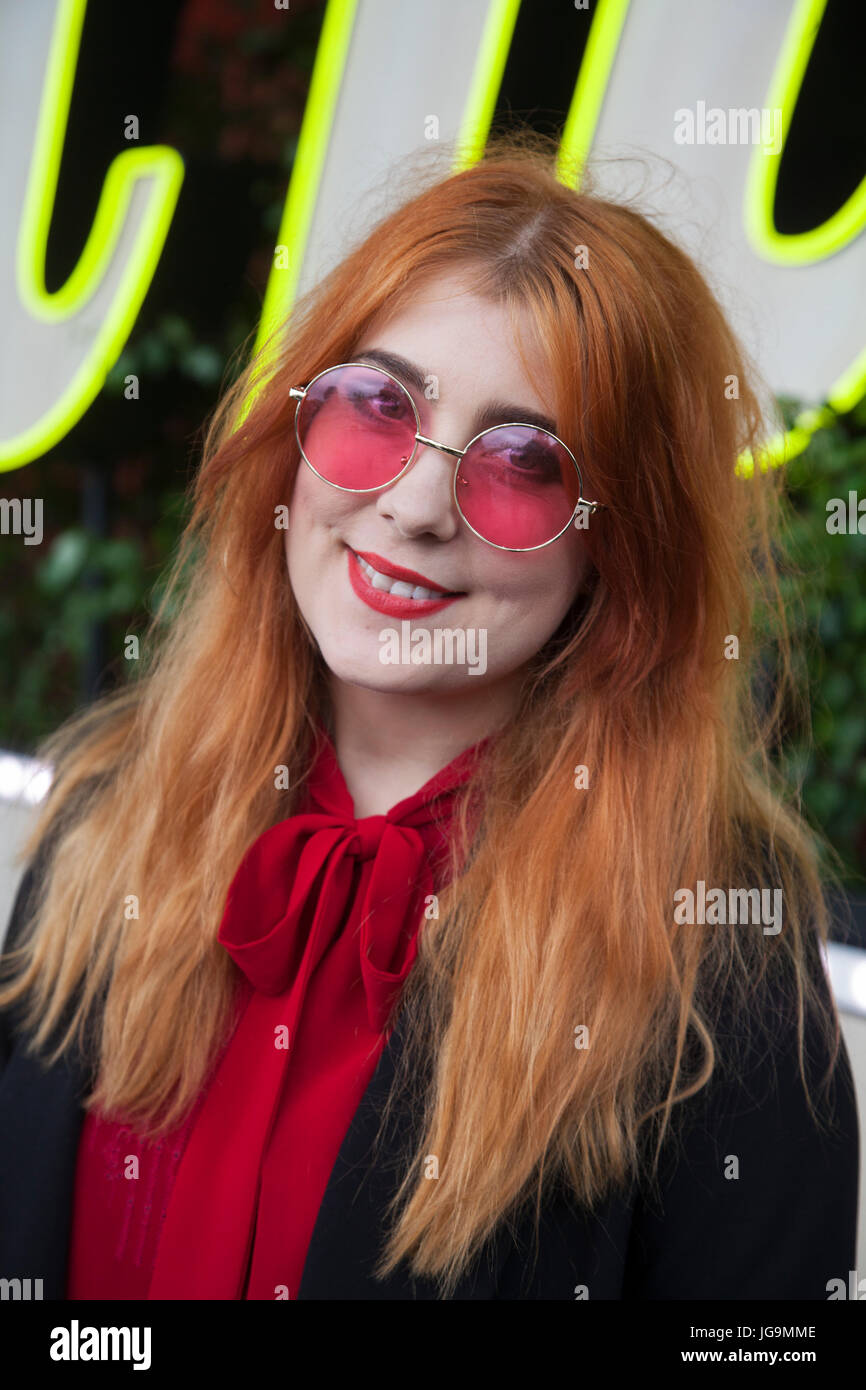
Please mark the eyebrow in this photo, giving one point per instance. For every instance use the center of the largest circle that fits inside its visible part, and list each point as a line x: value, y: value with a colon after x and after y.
x: 493, y: 413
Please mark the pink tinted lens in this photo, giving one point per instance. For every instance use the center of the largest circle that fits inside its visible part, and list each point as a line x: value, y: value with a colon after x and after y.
x: 357, y: 427
x: 517, y: 486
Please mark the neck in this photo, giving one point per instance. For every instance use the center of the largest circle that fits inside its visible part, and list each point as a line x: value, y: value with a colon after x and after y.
x: 389, y: 744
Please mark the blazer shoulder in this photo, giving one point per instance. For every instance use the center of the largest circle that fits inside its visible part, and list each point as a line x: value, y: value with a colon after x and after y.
x: 24, y: 907
x: 757, y: 1188
x: 756, y: 1191
x: 19, y: 919
x: 37, y: 867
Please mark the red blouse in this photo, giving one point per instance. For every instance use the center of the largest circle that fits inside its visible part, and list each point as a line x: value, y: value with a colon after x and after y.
x: 322, y: 919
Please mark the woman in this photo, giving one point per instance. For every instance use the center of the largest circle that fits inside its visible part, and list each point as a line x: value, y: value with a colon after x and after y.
x: 368, y: 967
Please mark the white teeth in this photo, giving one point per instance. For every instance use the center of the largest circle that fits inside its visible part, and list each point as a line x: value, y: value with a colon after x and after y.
x: 398, y: 587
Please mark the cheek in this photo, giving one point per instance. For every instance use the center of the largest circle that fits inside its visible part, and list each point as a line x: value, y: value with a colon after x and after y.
x: 541, y: 582
x: 316, y: 508
x: 303, y: 536
x: 568, y: 570
x: 303, y: 501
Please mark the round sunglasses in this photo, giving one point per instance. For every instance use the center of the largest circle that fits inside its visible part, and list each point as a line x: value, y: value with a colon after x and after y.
x: 516, y: 486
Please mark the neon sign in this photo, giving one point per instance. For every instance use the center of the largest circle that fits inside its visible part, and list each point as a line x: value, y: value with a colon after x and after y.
x: 630, y: 79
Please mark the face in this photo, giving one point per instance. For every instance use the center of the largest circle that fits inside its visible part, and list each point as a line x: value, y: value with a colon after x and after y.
x: 507, y: 603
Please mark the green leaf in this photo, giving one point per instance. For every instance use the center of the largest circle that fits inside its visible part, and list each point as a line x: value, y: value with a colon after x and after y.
x: 64, y: 561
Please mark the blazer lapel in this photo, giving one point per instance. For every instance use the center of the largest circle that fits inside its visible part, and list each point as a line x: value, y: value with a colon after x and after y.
x: 351, y: 1224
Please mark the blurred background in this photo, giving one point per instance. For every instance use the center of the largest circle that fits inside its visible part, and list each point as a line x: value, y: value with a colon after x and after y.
x: 247, y: 126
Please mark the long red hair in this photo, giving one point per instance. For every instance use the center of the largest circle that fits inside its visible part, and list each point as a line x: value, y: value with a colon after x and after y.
x: 564, y: 913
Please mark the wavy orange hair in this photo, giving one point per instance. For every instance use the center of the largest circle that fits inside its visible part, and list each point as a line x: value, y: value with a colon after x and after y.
x: 563, y: 914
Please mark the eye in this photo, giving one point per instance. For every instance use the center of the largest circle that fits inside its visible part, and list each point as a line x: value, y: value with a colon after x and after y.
x: 534, y: 458
x: 531, y: 455
x: 386, y: 403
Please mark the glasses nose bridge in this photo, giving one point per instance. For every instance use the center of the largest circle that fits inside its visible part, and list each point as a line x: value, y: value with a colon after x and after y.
x: 444, y: 448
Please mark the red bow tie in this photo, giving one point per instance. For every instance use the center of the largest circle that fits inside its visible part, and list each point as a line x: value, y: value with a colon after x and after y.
x: 296, y: 886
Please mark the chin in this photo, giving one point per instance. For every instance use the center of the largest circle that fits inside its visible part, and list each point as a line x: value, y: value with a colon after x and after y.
x: 370, y: 674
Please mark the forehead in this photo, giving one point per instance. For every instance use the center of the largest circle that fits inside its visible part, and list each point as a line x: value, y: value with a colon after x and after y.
x: 468, y: 341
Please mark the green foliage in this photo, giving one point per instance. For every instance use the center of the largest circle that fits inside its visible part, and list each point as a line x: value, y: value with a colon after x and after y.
x: 170, y: 347
x: 829, y: 626
x: 81, y: 583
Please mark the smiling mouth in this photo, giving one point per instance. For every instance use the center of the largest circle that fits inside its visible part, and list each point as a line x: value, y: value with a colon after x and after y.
x: 401, y: 588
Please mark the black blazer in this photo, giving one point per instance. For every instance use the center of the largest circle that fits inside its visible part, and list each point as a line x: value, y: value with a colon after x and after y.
x: 781, y: 1230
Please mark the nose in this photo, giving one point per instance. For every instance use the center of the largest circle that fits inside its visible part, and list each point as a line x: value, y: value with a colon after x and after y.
x: 422, y: 499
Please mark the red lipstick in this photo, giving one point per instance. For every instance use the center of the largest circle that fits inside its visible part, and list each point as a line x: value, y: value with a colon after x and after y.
x: 397, y: 572
x: 394, y: 605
